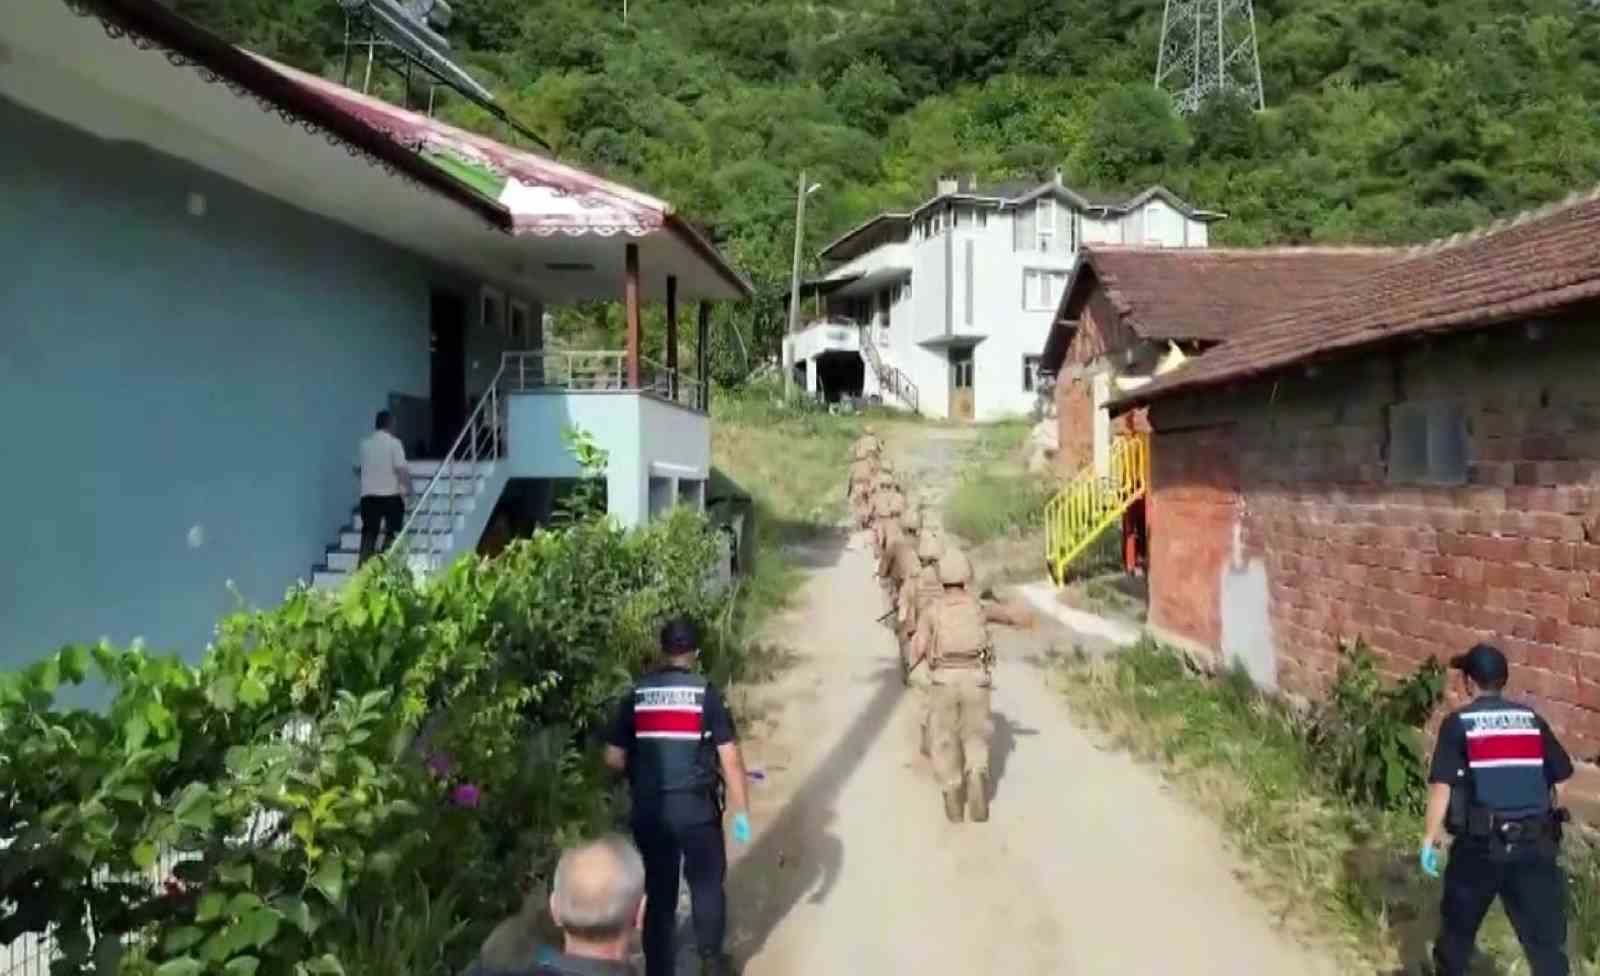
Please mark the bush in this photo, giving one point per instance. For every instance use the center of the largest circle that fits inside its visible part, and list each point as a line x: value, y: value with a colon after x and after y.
x: 334, y: 752
x: 1368, y: 734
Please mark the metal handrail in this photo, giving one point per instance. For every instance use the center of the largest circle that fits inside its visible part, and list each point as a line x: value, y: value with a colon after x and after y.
x: 597, y: 370
x: 468, y: 448
x: 1091, y: 502
x: 892, y: 377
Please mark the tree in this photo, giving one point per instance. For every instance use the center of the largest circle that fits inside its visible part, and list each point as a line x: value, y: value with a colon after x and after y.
x: 1224, y: 127
x: 868, y: 96
x: 1135, y: 130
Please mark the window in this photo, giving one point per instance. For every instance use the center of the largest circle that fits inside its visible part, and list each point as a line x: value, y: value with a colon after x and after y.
x: 937, y: 224
x: 1030, y: 373
x: 983, y: 218
x: 519, y: 327
x: 1041, y: 289
x: 494, y: 311
x: 1427, y: 443
x: 1045, y: 218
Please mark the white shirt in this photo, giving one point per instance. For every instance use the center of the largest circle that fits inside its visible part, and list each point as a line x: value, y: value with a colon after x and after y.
x: 383, y: 464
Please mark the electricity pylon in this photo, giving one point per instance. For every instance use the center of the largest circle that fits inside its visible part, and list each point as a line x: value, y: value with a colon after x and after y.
x: 1209, y: 46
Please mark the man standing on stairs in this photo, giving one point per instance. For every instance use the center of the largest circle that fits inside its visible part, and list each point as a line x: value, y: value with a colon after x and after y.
x: 385, y: 483
x: 959, y: 655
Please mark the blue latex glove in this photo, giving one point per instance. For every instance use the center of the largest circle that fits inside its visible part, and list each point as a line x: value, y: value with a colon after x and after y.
x: 741, y: 828
x: 1429, y: 859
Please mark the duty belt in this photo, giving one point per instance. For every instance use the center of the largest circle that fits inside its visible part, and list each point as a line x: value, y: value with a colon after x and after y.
x: 974, y: 659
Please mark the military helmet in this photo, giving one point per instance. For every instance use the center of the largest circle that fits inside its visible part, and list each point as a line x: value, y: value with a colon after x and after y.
x: 954, y: 569
x: 930, y: 547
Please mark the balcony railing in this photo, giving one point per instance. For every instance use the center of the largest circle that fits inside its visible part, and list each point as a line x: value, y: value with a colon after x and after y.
x: 598, y: 371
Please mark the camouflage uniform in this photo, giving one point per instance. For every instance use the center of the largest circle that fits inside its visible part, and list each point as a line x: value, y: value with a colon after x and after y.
x: 887, y: 508
x: 959, y: 724
x: 863, y: 477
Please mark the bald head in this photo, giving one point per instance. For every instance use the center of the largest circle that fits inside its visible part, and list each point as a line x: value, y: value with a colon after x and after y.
x: 598, y: 888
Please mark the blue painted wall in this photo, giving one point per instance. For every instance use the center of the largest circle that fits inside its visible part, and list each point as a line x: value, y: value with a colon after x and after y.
x: 160, y: 372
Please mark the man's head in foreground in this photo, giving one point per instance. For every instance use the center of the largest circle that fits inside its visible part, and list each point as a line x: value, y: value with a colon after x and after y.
x: 598, y: 897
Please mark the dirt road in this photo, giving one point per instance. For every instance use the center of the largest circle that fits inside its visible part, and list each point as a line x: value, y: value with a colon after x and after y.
x: 1088, y: 865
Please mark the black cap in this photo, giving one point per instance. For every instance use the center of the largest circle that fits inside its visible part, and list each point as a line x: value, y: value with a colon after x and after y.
x: 679, y: 637
x: 1484, y: 664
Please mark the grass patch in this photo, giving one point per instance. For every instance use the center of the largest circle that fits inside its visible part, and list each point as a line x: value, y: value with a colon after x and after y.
x: 1338, y: 873
x: 994, y: 496
x: 791, y: 459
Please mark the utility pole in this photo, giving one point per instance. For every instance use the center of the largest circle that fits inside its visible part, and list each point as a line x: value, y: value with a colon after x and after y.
x: 800, y: 194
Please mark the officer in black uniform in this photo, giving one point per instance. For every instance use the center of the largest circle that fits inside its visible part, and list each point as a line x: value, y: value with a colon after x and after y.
x: 676, y: 741
x: 1496, y: 786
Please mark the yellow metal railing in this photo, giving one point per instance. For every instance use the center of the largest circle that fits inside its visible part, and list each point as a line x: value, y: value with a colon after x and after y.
x: 1091, y: 503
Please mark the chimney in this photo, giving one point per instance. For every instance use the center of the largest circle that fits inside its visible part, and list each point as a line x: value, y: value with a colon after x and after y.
x: 945, y: 185
x: 972, y: 182
x: 1058, y: 176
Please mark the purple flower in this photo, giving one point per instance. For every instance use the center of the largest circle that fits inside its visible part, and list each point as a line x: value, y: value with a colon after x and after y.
x: 466, y: 796
x: 439, y: 764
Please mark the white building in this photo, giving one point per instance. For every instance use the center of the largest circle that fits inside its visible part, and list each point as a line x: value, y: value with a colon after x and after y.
x: 945, y: 309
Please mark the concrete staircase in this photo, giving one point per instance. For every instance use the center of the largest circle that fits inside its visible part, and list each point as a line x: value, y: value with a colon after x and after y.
x: 444, y: 530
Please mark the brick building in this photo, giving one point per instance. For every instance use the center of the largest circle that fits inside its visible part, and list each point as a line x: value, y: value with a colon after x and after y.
x: 1129, y: 313
x: 1414, y: 459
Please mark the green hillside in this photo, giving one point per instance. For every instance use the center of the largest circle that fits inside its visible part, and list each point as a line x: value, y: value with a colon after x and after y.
x: 1387, y: 120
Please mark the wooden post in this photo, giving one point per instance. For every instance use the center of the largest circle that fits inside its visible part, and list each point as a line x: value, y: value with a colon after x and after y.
x: 702, y: 352
x: 630, y: 298
x: 672, y: 336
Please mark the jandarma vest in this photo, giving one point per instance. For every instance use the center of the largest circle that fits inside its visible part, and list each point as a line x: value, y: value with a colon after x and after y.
x: 1505, y: 758
x: 672, y: 749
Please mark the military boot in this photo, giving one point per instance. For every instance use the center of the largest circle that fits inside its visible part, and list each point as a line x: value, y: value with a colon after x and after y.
x: 952, y: 805
x: 718, y: 966
x: 978, y: 796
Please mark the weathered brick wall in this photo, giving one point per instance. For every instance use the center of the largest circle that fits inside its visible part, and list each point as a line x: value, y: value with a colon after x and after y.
x: 1418, y: 571
x: 1074, y: 423
x: 1100, y: 333
x: 1193, y: 504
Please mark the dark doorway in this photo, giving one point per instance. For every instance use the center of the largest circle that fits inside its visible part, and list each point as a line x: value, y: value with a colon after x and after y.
x: 840, y: 375
x: 447, y: 386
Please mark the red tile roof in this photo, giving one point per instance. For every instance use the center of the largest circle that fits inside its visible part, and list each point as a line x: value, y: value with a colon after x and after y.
x: 1205, y: 294
x: 1528, y: 265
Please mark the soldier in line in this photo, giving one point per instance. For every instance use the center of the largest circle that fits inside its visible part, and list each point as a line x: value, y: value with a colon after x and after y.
x: 863, y: 476
x: 899, y: 562
x: 917, y: 597
x: 900, y: 551
x: 887, y: 507
x: 867, y: 444
x: 959, y: 654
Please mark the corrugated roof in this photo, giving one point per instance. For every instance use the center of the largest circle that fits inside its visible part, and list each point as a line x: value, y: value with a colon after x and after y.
x: 1528, y: 265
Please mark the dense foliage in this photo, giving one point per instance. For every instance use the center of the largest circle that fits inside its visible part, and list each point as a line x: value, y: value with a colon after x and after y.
x: 1387, y: 120
x: 355, y: 782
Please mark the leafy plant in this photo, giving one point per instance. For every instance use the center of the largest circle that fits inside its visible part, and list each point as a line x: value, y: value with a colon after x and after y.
x: 400, y: 735
x: 588, y: 498
x: 1368, y: 732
